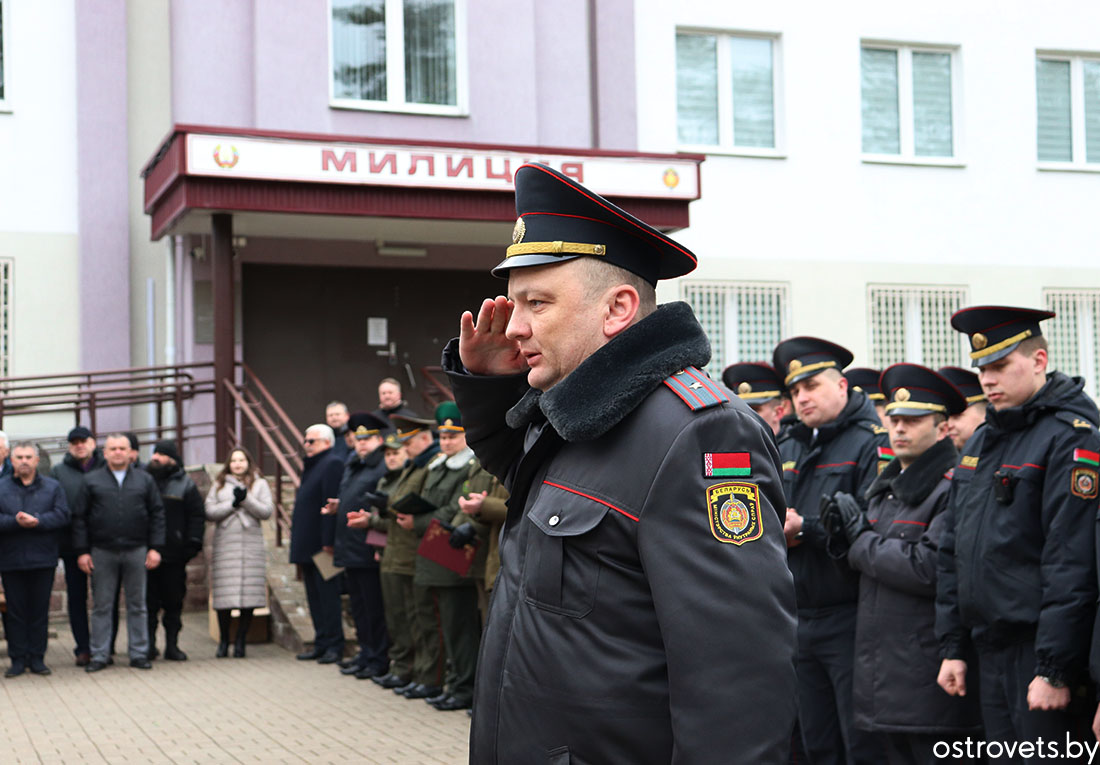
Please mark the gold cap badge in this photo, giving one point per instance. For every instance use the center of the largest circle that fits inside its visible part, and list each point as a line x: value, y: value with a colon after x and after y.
x: 744, y: 388
x: 979, y: 340
x: 794, y: 366
x: 901, y: 394
x: 448, y: 422
x: 518, y: 231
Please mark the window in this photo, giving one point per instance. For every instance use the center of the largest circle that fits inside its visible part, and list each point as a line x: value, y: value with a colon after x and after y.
x: 908, y: 104
x: 1067, y: 91
x: 399, y: 55
x: 743, y: 320
x: 725, y: 92
x: 7, y: 266
x: 913, y: 324
x: 1073, y: 336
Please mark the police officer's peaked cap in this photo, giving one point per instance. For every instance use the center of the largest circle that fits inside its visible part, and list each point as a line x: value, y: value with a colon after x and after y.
x: 365, y: 425
x: 754, y: 383
x: 913, y: 391
x: 447, y: 418
x: 996, y: 330
x: 966, y: 381
x: 866, y: 380
x: 408, y: 426
x: 560, y: 220
x: 797, y: 358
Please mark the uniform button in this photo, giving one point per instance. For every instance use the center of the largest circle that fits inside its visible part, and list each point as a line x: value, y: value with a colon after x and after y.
x: 554, y: 520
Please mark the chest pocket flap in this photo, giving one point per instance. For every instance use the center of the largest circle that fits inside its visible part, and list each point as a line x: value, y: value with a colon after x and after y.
x: 562, y: 569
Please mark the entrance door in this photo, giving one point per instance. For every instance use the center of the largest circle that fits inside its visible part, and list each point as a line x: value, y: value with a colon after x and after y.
x: 307, y: 331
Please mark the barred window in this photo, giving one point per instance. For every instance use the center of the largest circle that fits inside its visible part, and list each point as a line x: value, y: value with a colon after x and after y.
x: 913, y: 324
x: 743, y: 320
x: 1073, y: 336
x: 7, y: 266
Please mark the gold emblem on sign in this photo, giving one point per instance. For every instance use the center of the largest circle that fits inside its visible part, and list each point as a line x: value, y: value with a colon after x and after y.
x: 744, y: 388
x: 794, y: 366
x: 902, y: 394
x: 979, y: 340
x: 519, y: 230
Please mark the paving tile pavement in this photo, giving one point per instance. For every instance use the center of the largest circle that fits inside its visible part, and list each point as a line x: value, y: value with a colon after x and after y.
x: 266, y: 708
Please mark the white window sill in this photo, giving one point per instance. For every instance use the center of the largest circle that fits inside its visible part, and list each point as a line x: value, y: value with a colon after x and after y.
x: 1067, y: 167
x: 431, y: 110
x: 895, y: 159
x: 733, y: 151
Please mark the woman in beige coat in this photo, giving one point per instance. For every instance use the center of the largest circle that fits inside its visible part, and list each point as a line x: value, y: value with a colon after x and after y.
x: 239, y: 499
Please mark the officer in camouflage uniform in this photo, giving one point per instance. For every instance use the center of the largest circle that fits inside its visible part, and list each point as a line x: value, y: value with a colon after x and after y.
x: 1017, y: 569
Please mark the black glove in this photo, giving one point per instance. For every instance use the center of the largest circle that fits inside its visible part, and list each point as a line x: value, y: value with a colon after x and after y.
x: 851, y: 516
x: 239, y: 493
x: 463, y: 535
x: 377, y: 499
x: 836, y: 542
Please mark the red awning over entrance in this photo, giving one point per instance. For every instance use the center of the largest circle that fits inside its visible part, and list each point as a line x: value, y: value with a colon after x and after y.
x: 198, y: 171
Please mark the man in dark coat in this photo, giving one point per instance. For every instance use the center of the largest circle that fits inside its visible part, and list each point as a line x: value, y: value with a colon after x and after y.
x: 82, y: 457
x: 312, y: 533
x: 32, y: 512
x: 185, y: 521
x: 894, y: 546
x: 352, y: 553
x: 118, y: 531
x: 390, y: 402
x: 337, y: 416
x: 838, y: 445
x: 644, y: 600
x: 1017, y: 568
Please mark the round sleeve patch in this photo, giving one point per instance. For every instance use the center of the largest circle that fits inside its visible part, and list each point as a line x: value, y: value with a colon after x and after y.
x: 1083, y: 483
x: 734, y: 512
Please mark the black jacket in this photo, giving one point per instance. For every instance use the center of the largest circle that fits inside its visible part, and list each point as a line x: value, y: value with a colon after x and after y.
x: 309, y: 530
x: 22, y: 549
x: 894, y: 685
x: 360, y: 476
x: 626, y: 625
x: 1017, y: 555
x: 184, y: 512
x: 118, y: 517
x: 71, y: 474
x: 844, y: 457
x: 401, y: 409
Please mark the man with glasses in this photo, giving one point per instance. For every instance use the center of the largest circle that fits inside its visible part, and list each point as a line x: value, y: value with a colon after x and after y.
x: 310, y: 533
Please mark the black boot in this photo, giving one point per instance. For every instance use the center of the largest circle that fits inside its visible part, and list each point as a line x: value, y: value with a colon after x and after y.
x: 224, y: 620
x: 172, y: 651
x: 242, y: 633
x: 152, y: 653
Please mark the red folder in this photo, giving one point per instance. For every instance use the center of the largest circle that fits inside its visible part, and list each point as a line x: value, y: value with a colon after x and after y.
x: 436, y: 547
x: 376, y: 538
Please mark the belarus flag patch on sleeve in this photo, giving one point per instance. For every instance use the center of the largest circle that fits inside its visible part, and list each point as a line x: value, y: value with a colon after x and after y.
x: 722, y: 464
x: 1087, y: 457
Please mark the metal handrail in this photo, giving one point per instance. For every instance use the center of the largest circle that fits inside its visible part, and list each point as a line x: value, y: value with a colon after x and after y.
x: 253, y: 380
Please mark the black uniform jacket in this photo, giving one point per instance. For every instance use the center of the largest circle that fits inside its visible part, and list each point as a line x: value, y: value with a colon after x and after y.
x: 1017, y: 555
x: 621, y: 629
x: 894, y: 686
x: 118, y: 517
x: 71, y: 476
x: 843, y: 457
x: 184, y: 515
x: 360, y: 476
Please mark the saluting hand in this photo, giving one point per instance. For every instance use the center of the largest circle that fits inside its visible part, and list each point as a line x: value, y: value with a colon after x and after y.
x: 483, y: 347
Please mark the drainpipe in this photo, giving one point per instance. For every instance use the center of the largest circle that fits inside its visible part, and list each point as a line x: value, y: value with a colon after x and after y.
x: 593, y: 78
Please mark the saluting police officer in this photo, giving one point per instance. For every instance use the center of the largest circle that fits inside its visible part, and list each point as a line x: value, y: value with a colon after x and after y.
x: 867, y: 380
x: 960, y: 427
x: 644, y: 609
x: 894, y: 546
x: 759, y: 386
x: 838, y: 445
x: 1017, y: 572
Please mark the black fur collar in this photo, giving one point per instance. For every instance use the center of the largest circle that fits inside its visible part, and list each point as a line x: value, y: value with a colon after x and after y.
x: 914, y: 485
x: 614, y: 380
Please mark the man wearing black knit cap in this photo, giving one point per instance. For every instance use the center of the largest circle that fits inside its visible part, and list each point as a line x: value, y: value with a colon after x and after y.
x: 643, y: 601
x: 185, y: 520
x: 1016, y: 580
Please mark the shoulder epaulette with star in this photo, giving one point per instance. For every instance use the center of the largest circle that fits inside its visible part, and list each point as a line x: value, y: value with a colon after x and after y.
x: 695, y: 389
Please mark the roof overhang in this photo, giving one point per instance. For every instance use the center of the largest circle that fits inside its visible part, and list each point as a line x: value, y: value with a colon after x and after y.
x: 270, y: 175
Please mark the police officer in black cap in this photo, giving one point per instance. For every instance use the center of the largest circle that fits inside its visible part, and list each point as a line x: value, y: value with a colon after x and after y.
x: 759, y: 386
x: 644, y: 605
x: 838, y: 445
x: 1017, y: 577
x: 960, y: 427
x: 894, y: 546
x: 866, y: 380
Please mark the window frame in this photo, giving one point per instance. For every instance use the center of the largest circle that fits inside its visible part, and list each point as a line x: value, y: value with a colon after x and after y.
x: 7, y: 277
x: 906, y: 155
x: 733, y: 287
x: 918, y: 292
x: 1091, y: 295
x: 1076, y: 59
x: 725, y: 146
x: 5, y: 56
x: 395, y: 62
